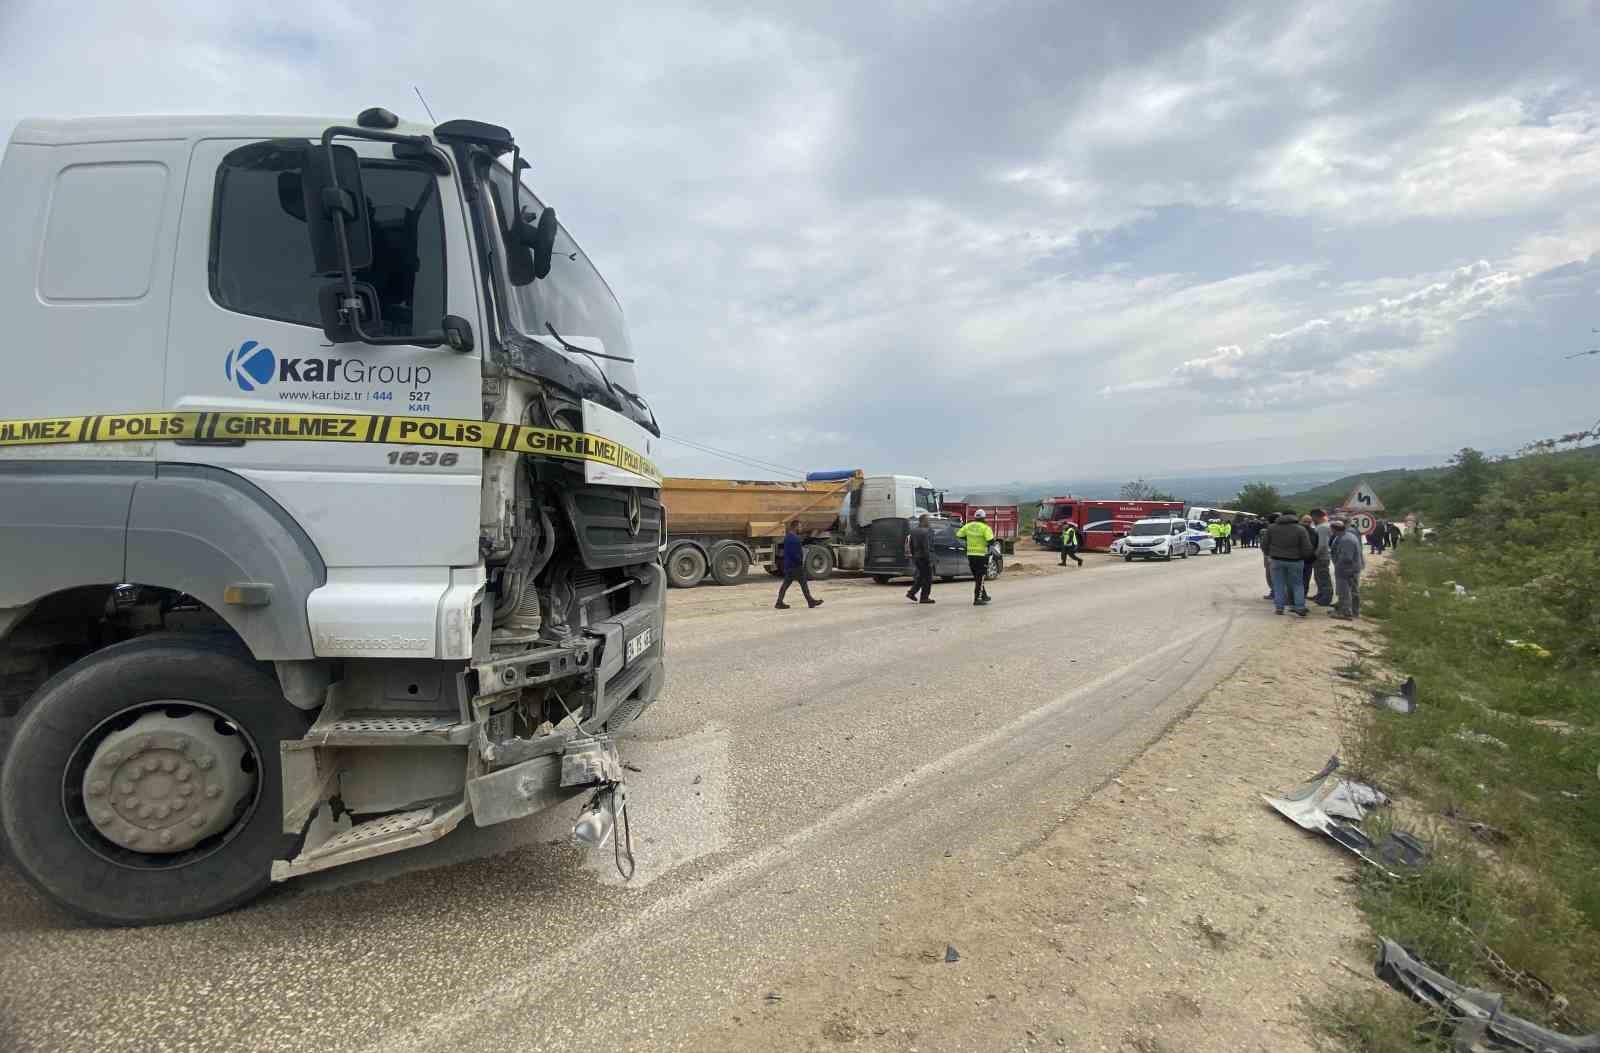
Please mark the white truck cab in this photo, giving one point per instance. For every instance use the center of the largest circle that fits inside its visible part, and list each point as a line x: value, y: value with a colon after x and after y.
x: 327, y: 505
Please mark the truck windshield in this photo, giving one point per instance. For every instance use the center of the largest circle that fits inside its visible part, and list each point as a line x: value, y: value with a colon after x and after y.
x: 573, y: 299
x: 1055, y: 511
x: 925, y: 501
x: 1157, y: 528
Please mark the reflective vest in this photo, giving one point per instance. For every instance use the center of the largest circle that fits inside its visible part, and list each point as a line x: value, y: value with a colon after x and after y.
x: 977, y: 535
x: 1227, y: 529
x: 1069, y: 536
x: 1214, y: 529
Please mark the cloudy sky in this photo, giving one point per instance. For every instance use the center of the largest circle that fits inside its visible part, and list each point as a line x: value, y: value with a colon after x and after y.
x: 992, y: 240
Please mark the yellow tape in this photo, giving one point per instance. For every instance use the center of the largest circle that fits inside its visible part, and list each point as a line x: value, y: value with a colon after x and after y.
x: 327, y: 427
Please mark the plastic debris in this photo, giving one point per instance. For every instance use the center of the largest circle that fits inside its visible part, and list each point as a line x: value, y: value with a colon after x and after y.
x: 951, y: 954
x: 1481, y: 1023
x: 1330, y: 805
x: 1404, y: 702
x: 1529, y: 647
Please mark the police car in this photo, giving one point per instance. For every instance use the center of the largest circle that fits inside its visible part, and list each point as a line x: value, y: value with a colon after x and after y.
x: 1156, y: 539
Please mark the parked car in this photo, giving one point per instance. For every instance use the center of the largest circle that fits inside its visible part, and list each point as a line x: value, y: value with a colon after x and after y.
x: 1157, y: 539
x: 1199, y: 538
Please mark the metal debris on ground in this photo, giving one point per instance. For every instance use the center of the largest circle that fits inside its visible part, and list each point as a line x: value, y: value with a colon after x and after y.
x: 1331, y: 805
x: 1403, y: 702
x: 1481, y: 1024
x: 951, y: 954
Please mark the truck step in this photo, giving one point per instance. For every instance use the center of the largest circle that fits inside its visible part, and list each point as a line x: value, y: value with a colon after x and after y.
x: 375, y: 837
x: 389, y: 729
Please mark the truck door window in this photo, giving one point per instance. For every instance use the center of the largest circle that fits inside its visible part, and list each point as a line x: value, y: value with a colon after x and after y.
x: 925, y: 500
x: 261, y: 258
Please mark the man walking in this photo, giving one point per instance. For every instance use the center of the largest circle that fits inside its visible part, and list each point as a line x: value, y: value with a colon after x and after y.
x: 918, y: 547
x: 1345, y: 549
x: 794, y: 567
x: 977, y: 535
x: 1069, y: 544
x: 1288, y: 545
x: 1321, y: 565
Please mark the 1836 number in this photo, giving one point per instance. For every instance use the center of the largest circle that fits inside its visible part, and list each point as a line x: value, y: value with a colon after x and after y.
x: 423, y: 458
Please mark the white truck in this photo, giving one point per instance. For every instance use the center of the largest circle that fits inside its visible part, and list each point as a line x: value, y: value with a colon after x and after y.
x: 327, y: 513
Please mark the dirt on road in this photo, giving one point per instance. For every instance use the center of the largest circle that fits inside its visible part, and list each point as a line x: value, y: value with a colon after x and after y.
x: 1171, y: 911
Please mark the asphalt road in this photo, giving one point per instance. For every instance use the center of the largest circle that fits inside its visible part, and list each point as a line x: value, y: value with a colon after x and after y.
x: 801, y: 765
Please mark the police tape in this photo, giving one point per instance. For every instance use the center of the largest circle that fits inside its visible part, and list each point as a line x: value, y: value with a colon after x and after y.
x: 231, y: 427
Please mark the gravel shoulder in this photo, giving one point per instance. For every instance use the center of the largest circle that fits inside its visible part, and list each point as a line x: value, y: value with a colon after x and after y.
x: 1171, y: 910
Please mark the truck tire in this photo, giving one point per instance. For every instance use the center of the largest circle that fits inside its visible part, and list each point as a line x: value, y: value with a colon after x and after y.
x: 686, y: 566
x: 196, y: 702
x: 729, y: 563
x: 819, y: 562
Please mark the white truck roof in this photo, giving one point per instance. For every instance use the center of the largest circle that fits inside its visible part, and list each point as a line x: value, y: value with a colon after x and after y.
x: 69, y: 130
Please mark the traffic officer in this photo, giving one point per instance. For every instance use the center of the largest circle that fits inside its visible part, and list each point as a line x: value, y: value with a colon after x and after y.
x: 977, y: 535
x: 1227, y: 538
x: 1069, y: 544
x: 1214, y: 528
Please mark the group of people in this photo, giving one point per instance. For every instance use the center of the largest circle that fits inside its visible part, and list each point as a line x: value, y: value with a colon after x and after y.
x: 1384, y: 535
x: 1296, y: 551
x: 975, y: 535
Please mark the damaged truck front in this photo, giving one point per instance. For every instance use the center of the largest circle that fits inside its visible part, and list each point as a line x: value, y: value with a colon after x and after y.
x: 342, y: 524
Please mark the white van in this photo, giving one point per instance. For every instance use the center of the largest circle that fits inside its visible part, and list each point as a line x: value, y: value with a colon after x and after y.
x: 1156, y: 539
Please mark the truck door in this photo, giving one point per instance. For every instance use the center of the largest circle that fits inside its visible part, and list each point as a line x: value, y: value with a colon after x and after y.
x: 246, y: 334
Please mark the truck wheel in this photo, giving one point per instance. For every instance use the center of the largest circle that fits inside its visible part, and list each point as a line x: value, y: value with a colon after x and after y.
x: 996, y: 565
x: 728, y: 564
x: 686, y: 565
x: 819, y: 562
x: 143, y: 783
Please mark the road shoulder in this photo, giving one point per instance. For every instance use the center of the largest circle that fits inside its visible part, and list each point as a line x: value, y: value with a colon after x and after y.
x: 1171, y: 910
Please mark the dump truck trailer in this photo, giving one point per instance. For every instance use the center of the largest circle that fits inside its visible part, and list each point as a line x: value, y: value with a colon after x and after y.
x: 719, y: 528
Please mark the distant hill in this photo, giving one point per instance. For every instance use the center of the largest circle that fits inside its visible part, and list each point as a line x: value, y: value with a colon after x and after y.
x: 1397, y: 481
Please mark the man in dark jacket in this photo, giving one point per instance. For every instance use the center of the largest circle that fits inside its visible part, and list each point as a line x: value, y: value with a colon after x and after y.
x: 1288, y: 546
x: 919, y: 541
x: 794, y: 567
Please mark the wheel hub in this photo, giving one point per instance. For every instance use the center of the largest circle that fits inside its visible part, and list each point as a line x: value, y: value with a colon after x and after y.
x: 164, y: 784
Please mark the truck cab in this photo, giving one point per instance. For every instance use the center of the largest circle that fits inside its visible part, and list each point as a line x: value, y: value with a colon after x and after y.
x: 327, y: 501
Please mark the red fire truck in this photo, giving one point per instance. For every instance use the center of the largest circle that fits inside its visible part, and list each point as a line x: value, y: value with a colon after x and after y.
x: 1099, y: 522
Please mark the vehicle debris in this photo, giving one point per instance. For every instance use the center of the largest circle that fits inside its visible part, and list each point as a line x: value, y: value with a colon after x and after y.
x: 1404, y: 702
x: 1481, y: 1024
x: 951, y: 954
x: 1331, y: 806
x: 1530, y: 647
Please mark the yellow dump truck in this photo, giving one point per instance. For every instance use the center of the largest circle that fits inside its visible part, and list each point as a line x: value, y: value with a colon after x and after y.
x: 719, y: 527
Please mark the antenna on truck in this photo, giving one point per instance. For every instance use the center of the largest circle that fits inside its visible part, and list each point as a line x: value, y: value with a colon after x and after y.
x: 431, y: 118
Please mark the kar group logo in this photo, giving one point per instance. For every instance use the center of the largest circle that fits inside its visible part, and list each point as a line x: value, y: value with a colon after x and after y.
x: 250, y: 366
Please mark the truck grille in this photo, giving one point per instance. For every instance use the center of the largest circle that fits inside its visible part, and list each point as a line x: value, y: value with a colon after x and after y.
x: 600, y: 517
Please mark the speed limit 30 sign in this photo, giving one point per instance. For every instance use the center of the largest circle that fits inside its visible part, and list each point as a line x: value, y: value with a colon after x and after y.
x: 1363, y: 522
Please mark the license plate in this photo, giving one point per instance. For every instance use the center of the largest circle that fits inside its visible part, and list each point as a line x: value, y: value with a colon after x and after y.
x: 639, y: 645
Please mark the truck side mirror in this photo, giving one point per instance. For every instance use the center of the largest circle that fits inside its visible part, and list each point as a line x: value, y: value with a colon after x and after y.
x: 332, y: 188
x: 533, y: 247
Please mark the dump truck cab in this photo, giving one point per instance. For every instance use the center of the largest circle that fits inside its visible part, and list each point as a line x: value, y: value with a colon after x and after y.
x: 323, y: 460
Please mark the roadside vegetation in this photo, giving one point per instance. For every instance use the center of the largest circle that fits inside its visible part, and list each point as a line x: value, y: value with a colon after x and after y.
x: 1499, y: 767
